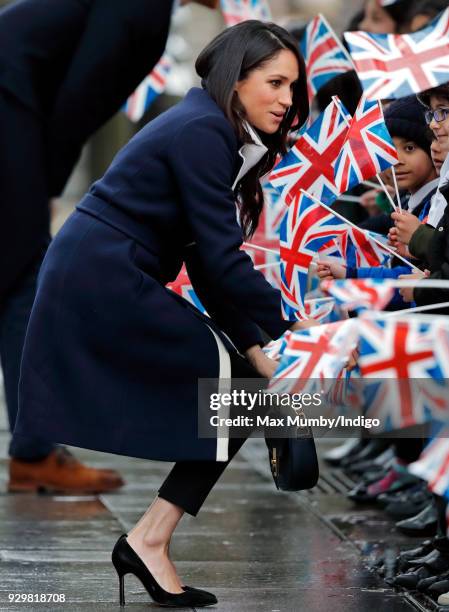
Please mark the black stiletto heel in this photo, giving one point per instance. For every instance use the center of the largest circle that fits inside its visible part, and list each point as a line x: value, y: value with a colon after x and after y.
x: 127, y: 561
x: 122, y: 589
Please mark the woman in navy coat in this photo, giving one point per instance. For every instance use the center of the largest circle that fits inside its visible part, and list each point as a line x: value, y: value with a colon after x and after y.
x: 112, y: 358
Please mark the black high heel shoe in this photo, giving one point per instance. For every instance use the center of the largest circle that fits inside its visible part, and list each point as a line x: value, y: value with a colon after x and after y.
x: 127, y: 561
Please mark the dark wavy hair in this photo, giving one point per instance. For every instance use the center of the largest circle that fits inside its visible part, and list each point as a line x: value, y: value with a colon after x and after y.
x: 231, y: 57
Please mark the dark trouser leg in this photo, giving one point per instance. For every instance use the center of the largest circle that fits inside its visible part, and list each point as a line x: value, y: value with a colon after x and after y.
x: 409, y: 449
x: 190, y: 482
x: 14, y: 318
x: 24, y: 234
x: 441, y: 506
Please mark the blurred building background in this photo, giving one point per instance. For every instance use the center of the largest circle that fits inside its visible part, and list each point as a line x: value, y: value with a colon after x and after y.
x: 192, y: 27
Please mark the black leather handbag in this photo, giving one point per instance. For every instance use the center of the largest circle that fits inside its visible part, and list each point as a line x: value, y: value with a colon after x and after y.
x: 293, y: 460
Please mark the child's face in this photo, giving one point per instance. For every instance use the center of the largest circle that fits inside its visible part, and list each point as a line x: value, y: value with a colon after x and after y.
x: 376, y: 19
x: 440, y: 128
x: 437, y: 155
x: 415, y: 167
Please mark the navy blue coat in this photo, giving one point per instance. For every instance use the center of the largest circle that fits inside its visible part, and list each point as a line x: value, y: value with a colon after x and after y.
x: 112, y: 358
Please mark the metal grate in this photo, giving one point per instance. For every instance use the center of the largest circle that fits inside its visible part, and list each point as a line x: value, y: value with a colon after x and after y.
x: 332, y: 481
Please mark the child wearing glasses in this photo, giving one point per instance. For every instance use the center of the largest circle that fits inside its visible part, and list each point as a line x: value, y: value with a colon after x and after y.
x: 432, y: 239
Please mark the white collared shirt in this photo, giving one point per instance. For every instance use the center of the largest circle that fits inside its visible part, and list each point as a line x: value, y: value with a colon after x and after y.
x: 438, y: 201
x: 416, y: 198
x: 251, y: 153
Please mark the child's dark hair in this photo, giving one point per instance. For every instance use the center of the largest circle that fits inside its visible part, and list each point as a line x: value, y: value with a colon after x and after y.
x: 402, y: 12
x: 441, y: 91
x: 431, y: 8
x: 405, y: 118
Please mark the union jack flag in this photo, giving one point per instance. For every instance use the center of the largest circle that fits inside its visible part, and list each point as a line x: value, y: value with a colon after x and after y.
x: 433, y: 464
x: 442, y: 348
x: 313, y: 355
x: 309, y: 164
x: 324, y: 55
x: 151, y: 87
x: 402, y: 351
x: 357, y: 294
x: 398, y: 65
x: 265, y: 241
x: 319, y: 309
x: 305, y: 228
x: 361, y: 248
x: 236, y: 11
x: 182, y: 286
x: 368, y: 148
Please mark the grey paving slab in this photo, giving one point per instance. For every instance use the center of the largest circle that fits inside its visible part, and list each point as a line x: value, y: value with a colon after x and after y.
x: 256, y: 548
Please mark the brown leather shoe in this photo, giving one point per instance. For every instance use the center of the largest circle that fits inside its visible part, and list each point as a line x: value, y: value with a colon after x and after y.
x: 60, y: 472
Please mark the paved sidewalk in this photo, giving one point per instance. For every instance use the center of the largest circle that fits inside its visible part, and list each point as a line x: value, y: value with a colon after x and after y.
x: 257, y: 549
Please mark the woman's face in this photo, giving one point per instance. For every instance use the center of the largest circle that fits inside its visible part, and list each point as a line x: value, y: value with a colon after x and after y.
x: 377, y: 20
x: 266, y: 93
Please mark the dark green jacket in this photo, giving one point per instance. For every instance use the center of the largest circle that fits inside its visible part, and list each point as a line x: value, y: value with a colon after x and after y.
x: 420, y: 242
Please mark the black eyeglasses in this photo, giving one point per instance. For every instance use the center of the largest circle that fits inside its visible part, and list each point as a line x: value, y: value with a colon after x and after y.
x: 439, y: 115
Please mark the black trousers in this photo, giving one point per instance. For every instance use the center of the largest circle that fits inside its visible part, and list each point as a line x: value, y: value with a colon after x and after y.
x: 14, y: 315
x: 190, y: 482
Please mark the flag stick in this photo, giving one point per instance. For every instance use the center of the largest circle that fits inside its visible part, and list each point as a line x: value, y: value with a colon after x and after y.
x: 268, y: 265
x: 393, y: 170
x: 429, y: 283
x: 348, y: 198
x: 370, y: 184
x: 259, y: 248
x: 337, y: 101
x: 311, y: 197
x: 417, y: 309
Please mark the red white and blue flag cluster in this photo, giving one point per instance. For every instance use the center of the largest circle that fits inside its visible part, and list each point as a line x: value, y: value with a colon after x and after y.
x: 359, y: 294
x: 335, y: 151
x: 368, y: 148
x: 309, y: 164
x: 398, y: 65
x: 311, y: 356
x: 402, y: 379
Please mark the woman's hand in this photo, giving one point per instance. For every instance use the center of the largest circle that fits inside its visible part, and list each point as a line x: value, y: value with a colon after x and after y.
x: 406, y: 225
x: 330, y: 270
x: 299, y: 325
x: 261, y: 363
